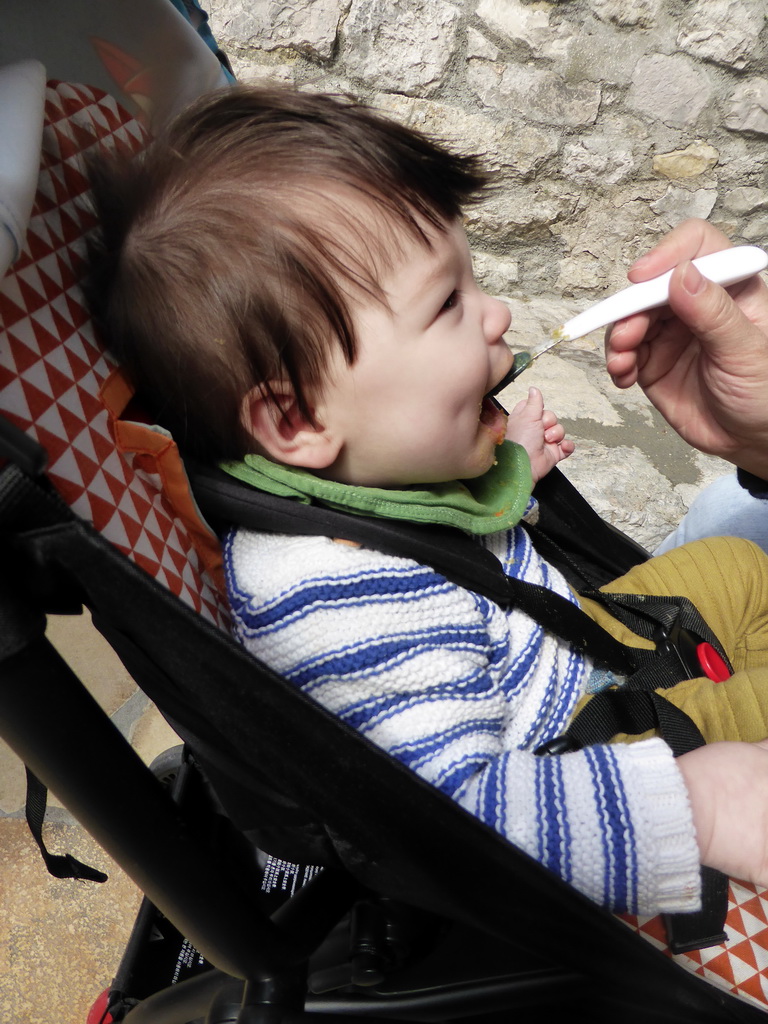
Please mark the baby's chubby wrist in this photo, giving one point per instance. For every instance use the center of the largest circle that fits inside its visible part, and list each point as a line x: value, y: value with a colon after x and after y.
x: 696, y: 769
x: 727, y: 787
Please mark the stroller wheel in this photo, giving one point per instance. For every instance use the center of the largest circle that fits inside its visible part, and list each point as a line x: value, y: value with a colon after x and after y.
x: 165, y: 766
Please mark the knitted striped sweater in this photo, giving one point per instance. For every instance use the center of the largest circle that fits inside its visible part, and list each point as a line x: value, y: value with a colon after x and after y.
x: 462, y: 692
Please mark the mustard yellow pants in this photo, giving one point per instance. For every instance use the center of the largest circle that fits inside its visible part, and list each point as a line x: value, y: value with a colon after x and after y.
x: 727, y: 579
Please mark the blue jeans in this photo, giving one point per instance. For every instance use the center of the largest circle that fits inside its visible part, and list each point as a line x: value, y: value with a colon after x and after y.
x: 724, y: 509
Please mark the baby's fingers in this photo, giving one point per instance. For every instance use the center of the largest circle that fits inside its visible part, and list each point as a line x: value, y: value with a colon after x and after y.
x: 555, y: 433
x: 535, y: 402
x: 533, y: 407
x: 548, y: 419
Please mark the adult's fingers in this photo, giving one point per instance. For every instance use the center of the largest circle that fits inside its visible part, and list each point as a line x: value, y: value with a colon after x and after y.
x: 624, y: 353
x: 687, y: 241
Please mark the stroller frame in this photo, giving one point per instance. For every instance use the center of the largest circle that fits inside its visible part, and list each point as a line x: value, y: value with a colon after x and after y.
x: 523, y: 939
x: 415, y: 847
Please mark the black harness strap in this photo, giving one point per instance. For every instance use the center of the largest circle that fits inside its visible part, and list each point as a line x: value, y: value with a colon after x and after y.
x: 676, y: 627
x: 60, y: 865
x: 461, y: 559
x: 617, y: 711
x: 464, y: 561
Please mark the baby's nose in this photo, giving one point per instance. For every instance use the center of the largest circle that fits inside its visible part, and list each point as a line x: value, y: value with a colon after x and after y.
x: 497, y: 318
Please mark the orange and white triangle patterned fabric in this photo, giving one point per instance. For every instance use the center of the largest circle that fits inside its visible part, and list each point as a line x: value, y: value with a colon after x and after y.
x: 58, y: 385
x: 738, y: 966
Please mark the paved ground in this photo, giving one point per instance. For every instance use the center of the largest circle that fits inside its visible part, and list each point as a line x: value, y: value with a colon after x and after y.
x: 61, y: 941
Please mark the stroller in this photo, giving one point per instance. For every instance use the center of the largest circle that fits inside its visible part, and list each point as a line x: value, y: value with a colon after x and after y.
x: 291, y: 869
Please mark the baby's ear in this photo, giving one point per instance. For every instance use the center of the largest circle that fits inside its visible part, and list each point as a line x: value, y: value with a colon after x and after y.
x: 271, y: 415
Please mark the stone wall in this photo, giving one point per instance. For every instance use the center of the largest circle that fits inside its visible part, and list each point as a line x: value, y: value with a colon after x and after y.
x: 607, y: 120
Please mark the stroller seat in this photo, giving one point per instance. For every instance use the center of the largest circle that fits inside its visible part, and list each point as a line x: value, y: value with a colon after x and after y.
x: 111, y: 524
x: 58, y: 384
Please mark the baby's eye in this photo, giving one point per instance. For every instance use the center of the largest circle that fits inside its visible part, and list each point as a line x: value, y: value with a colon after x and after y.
x: 451, y: 301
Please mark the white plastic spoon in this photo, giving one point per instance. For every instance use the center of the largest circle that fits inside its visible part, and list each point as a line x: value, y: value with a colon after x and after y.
x: 727, y: 267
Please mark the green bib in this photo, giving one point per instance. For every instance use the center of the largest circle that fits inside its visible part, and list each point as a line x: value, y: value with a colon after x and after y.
x: 495, y: 501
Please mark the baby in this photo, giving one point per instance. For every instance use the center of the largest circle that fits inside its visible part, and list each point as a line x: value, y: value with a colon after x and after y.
x: 287, y: 279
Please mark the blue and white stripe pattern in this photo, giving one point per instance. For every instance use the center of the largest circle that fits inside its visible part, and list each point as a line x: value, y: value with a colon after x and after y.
x: 463, y: 692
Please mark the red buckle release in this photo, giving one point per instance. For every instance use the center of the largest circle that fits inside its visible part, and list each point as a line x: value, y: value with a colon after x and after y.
x: 713, y: 665
x: 99, y: 1014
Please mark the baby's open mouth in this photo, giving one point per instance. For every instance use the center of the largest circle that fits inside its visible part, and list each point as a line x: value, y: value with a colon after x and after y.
x: 494, y: 418
x: 505, y: 380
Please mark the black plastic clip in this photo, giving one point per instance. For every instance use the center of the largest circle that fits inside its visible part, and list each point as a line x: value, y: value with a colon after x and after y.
x: 682, y: 644
x: 697, y: 657
x: 559, y: 745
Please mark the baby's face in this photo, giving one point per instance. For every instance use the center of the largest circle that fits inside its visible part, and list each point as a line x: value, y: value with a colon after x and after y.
x: 411, y: 409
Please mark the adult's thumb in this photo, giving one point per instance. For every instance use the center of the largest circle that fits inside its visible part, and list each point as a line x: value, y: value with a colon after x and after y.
x: 712, y: 314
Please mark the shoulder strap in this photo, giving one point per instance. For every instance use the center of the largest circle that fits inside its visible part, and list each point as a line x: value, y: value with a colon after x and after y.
x: 571, y: 535
x: 225, y: 501
x: 457, y: 556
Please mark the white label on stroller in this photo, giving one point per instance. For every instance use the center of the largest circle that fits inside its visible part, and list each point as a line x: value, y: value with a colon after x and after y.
x: 189, y: 958
x: 285, y: 876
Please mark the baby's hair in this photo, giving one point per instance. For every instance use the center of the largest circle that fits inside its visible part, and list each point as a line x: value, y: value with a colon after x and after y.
x: 219, y: 264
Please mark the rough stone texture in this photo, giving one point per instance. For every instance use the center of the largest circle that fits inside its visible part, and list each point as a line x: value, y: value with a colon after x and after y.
x: 512, y: 217
x: 495, y: 273
x: 678, y: 204
x: 756, y: 230
x: 525, y: 25
x: 588, y: 110
x: 747, y: 108
x: 639, y: 13
x: 401, y: 45
x: 623, y: 484
x: 626, y: 225
x: 745, y: 200
x: 685, y: 93
x: 535, y: 93
x: 597, y: 159
x: 724, y: 31
x: 504, y: 144
x: 579, y: 273
x: 310, y: 26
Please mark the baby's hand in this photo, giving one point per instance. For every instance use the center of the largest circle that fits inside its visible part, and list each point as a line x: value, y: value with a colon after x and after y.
x: 540, y: 432
x: 728, y: 789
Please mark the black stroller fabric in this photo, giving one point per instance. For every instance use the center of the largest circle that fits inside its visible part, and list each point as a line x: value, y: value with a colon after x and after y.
x: 307, y: 785
x: 392, y: 831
